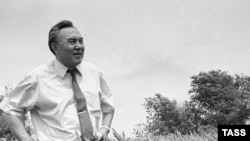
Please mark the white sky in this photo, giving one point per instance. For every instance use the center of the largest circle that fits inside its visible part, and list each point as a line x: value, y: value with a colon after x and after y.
x: 143, y: 47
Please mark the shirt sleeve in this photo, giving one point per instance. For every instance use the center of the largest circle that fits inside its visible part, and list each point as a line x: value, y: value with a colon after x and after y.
x: 106, y: 98
x: 22, y: 98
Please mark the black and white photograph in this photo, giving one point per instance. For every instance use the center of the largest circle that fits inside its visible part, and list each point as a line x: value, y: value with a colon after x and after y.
x: 124, y: 70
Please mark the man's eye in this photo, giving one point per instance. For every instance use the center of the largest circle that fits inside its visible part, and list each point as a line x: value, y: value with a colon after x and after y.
x: 81, y: 41
x: 72, y: 41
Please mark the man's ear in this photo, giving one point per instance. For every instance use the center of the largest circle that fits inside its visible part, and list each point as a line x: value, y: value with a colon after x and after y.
x: 54, y: 47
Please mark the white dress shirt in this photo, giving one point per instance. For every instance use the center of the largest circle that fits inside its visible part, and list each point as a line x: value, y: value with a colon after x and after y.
x: 48, y: 94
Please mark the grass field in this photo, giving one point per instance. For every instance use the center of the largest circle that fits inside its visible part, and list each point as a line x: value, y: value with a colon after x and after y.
x: 202, y: 136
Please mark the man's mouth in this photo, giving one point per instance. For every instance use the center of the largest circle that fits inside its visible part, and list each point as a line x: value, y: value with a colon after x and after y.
x: 77, y: 53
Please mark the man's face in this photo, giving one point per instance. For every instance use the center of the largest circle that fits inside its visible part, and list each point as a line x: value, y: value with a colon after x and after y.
x: 69, y: 49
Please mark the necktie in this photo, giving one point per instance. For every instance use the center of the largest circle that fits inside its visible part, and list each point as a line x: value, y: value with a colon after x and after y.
x: 83, y: 115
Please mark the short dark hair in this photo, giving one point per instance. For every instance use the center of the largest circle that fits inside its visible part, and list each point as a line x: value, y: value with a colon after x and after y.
x: 55, y: 30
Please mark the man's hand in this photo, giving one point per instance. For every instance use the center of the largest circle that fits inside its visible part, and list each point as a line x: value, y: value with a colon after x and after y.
x: 103, y: 134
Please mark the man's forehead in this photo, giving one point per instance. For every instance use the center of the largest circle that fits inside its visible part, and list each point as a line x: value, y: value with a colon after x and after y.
x: 69, y: 32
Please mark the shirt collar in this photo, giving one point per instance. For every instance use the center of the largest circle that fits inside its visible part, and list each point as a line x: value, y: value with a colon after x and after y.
x: 62, y: 69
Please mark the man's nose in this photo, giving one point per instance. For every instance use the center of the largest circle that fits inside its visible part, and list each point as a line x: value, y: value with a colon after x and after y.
x: 79, y: 45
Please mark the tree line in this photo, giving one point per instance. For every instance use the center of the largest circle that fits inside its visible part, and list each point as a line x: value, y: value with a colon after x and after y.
x: 216, y: 98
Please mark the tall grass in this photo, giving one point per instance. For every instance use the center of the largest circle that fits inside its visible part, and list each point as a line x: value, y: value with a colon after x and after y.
x: 201, y: 136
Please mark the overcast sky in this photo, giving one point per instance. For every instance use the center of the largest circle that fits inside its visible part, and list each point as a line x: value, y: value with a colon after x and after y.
x: 143, y: 47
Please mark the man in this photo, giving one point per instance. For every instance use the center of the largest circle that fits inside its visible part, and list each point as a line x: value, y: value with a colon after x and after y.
x: 48, y: 93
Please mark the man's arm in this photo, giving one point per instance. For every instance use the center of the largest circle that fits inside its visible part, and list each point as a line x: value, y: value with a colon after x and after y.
x: 106, y: 123
x: 16, y: 126
x: 107, y: 108
x: 107, y: 119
